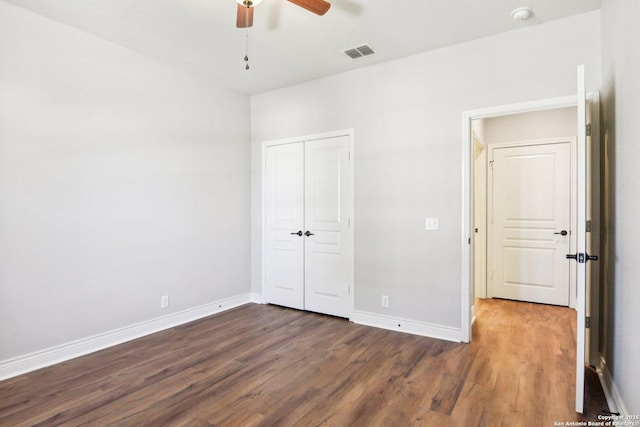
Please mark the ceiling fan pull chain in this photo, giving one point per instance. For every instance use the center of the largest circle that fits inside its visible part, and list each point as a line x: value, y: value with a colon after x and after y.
x: 246, y: 50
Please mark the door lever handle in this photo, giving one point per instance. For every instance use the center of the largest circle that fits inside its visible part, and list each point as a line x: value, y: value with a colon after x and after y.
x: 308, y: 233
x: 563, y: 232
x: 582, y: 258
x: 298, y: 233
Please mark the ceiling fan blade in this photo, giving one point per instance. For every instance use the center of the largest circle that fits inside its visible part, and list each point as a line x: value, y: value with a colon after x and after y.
x: 245, y: 17
x: 319, y: 7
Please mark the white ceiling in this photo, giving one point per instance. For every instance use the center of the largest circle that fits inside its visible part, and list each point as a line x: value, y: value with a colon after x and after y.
x: 287, y: 44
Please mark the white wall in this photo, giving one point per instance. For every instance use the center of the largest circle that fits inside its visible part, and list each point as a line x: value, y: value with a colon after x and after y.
x: 621, y: 134
x: 121, y: 180
x: 407, y: 120
x: 544, y: 124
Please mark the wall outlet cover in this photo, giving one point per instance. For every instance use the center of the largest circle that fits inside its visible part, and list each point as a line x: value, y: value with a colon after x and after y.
x: 385, y: 301
x: 431, y: 224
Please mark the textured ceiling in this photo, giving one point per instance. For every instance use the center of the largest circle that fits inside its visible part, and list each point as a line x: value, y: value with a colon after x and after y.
x: 287, y: 44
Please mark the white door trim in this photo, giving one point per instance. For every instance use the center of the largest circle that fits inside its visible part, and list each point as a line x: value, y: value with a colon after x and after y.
x: 572, y: 141
x: 466, y: 267
x: 351, y: 231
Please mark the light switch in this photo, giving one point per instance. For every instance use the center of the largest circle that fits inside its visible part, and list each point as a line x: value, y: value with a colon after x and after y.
x: 431, y: 224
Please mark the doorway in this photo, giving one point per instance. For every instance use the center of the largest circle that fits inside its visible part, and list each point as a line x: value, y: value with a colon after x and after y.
x: 474, y: 132
x: 522, y: 129
x: 587, y: 222
x: 508, y: 247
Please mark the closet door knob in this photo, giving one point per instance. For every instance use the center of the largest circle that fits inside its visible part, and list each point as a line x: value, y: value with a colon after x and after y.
x: 308, y: 233
x: 298, y: 233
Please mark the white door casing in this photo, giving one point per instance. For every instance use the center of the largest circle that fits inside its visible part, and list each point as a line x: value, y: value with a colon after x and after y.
x: 530, y: 221
x: 480, y: 218
x: 466, y: 246
x: 308, y: 223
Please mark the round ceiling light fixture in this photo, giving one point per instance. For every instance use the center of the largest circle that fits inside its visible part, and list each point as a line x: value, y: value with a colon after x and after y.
x: 521, y: 13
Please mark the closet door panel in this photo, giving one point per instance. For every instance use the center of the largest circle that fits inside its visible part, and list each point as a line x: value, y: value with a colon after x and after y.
x: 284, y: 218
x: 327, y: 197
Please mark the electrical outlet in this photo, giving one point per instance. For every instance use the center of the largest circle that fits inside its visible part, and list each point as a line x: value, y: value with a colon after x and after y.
x: 385, y: 300
x: 164, y: 301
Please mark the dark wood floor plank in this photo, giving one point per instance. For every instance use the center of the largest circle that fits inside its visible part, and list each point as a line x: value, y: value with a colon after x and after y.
x: 262, y: 365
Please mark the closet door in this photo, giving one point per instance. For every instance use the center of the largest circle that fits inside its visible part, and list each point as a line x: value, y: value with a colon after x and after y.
x: 284, y: 225
x: 308, y: 241
x: 327, y: 241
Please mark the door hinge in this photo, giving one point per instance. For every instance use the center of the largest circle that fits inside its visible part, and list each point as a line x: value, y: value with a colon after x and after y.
x: 469, y: 240
x: 588, y: 130
x: 587, y: 322
x: 588, y: 226
x: 491, y: 162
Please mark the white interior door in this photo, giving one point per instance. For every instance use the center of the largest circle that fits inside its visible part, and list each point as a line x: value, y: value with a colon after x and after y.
x: 327, y: 242
x: 284, y: 225
x: 308, y: 235
x: 530, y: 215
x: 581, y: 241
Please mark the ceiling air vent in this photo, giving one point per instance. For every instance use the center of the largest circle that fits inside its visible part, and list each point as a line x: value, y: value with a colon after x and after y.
x: 359, y: 52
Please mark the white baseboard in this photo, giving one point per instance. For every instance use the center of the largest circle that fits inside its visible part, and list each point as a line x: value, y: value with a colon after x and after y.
x: 50, y: 356
x: 257, y: 298
x: 611, y: 392
x: 408, y: 326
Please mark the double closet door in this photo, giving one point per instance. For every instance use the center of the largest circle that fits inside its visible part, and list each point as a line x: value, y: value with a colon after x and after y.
x: 308, y: 239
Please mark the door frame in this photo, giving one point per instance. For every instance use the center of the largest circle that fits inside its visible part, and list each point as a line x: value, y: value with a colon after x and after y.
x: 350, y: 206
x: 467, y: 250
x: 572, y: 141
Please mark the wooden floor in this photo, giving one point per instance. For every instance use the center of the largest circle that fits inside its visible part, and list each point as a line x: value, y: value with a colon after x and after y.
x: 266, y: 365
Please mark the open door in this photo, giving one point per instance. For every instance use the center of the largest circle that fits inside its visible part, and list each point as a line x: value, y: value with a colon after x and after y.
x: 582, y: 257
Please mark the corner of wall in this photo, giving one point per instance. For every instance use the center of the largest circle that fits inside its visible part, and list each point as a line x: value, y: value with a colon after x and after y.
x: 611, y: 392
